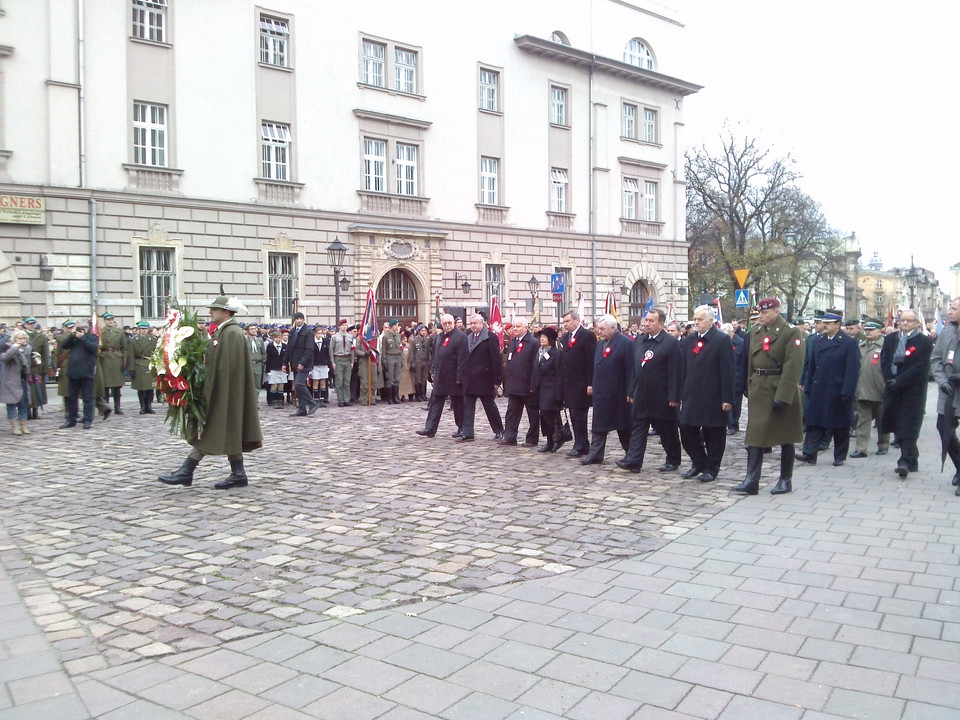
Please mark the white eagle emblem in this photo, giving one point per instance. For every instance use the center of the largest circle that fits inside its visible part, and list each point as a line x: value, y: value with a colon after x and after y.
x: 497, y: 328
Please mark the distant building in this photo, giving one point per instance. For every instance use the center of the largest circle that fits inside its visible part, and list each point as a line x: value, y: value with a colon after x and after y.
x: 883, y: 293
x: 163, y: 147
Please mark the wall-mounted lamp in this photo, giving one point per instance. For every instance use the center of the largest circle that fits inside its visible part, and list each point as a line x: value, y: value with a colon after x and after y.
x: 46, y: 271
x: 465, y: 285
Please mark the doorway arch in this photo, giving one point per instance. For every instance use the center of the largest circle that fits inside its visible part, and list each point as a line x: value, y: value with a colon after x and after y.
x: 397, y: 297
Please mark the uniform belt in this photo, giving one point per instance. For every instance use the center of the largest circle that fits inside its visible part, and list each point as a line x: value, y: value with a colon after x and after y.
x: 757, y: 371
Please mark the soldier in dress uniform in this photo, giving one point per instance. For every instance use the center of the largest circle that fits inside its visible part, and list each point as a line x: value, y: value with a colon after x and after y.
x: 870, y: 389
x: 38, y: 371
x: 774, y: 366
x: 341, y: 348
x: 257, y: 354
x: 61, y: 355
x: 420, y: 362
x: 113, y: 353
x: 139, y: 351
x: 391, y: 352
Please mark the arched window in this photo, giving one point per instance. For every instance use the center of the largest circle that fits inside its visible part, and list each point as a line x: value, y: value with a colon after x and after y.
x: 637, y: 53
x: 639, y: 295
x: 559, y: 37
x: 397, y: 297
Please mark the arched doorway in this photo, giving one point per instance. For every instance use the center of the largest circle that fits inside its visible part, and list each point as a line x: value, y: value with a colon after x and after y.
x: 397, y: 297
x: 639, y: 295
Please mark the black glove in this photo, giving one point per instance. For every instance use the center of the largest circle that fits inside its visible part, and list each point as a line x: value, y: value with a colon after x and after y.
x: 779, y: 404
x: 947, y: 389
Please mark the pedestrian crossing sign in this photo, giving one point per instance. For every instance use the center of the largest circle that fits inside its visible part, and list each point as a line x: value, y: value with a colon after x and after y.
x: 742, y: 298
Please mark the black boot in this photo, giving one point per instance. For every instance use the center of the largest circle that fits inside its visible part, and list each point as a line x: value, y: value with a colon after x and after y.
x: 116, y: 402
x: 143, y: 407
x: 751, y: 483
x: 549, y: 447
x: 785, y: 483
x: 148, y: 402
x: 395, y: 395
x: 238, y: 478
x: 183, y: 476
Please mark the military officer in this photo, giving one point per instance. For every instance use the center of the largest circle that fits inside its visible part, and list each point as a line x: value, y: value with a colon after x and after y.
x: 257, y: 353
x: 113, y: 353
x: 391, y: 352
x: 341, y: 347
x: 830, y: 387
x: 41, y: 347
x: 139, y: 351
x: 774, y: 366
x: 420, y: 362
x: 870, y: 389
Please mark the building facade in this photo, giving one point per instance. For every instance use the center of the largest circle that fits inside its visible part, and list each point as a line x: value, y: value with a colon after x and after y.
x: 145, y: 157
x: 884, y: 293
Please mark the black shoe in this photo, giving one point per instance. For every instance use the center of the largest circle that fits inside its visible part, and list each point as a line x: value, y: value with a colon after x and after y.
x: 529, y: 445
x: 857, y: 454
x: 902, y: 470
x: 182, y: 476
x: 576, y: 453
x: 117, y: 410
x: 456, y: 434
x: 783, y: 486
x: 425, y: 433
x: 142, y: 411
x: 956, y: 479
x: 668, y: 467
x: 591, y: 460
x: 151, y: 411
x: 957, y: 491
x: 882, y: 452
x: 87, y: 425
x: 299, y: 413
x: 231, y: 482
x: 628, y: 466
x: 809, y: 459
x: 691, y: 473
x: 313, y: 408
x: 106, y: 413
x: 549, y: 447
x: 497, y: 436
x: 707, y: 477
x: 838, y: 463
x: 463, y: 439
x: 732, y: 430
x: 505, y: 443
x: 68, y: 425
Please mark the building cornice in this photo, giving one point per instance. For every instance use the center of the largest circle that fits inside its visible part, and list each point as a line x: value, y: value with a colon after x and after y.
x: 586, y: 60
x: 396, y: 119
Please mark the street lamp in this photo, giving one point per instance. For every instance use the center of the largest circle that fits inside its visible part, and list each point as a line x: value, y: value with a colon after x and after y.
x: 46, y: 271
x: 336, y: 252
x: 534, y: 286
x: 465, y: 285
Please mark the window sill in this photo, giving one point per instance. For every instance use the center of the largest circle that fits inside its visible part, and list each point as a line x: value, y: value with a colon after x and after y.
x: 150, y: 178
x: 560, y: 127
x: 271, y: 66
x: 154, y: 43
x: 485, y: 111
x: 491, y: 214
x: 278, y: 192
x: 559, y: 220
x: 391, y: 91
x: 388, y: 204
x: 641, y: 228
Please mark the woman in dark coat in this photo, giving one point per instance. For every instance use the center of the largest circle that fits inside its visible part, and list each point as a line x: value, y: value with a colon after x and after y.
x: 545, y: 385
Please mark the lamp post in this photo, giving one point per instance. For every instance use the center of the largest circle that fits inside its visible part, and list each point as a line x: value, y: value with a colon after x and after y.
x: 534, y: 285
x: 465, y: 285
x: 336, y: 252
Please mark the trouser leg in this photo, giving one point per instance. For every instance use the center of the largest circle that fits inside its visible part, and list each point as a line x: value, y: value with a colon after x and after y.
x: 456, y: 404
x: 492, y: 412
x: 469, y: 414
x: 598, y: 446
x: 638, y: 441
x: 841, y: 444
x: 581, y: 439
x: 715, y: 443
x: 514, y: 414
x: 865, y: 416
x: 533, y: 433
x: 669, y: 439
x: 434, y: 411
x: 693, y: 445
x: 86, y: 390
x: 304, y: 396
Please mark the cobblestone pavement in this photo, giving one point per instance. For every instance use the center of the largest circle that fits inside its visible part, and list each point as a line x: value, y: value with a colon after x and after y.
x: 370, y: 573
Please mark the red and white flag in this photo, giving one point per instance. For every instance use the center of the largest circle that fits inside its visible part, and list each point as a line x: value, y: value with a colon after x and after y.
x: 496, y: 320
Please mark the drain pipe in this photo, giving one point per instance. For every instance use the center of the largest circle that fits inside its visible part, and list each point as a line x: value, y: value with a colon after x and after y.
x: 593, y: 180
x: 82, y: 146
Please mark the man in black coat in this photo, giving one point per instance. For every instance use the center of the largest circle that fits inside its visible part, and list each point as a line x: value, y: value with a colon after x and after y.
x: 740, y: 358
x: 84, y: 349
x: 300, y: 349
x: 655, y: 395
x: 481, y: 378
x: 707, y: 395
x: 612, y: 382
x: 578, y: 345
x: 905, y: 362
x: 830, y: 387
x: 447, y: 372
x: 522, y: 354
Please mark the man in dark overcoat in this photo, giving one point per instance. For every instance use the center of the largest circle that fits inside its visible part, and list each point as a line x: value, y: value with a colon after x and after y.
x: 232, y: 425
x: 578, y: 345
x: 84, y: 348
x: 774, y: 365
x: 655, y: 395
x: 447, y: 371
x: 741, y: 347
x: 612, y: 382
x: 943, y: 362
x: 520, y: 359
x: 830, y: 388
x: 905, y: 361
x: 481, y: 378
x: 707, y: 395
x: 300, y: 349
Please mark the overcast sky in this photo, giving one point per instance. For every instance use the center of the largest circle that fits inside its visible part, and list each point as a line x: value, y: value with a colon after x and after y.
x: 863, y: 95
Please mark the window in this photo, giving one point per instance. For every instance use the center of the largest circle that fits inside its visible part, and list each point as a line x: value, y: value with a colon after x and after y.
x: 879, y: 284
x: 639, y: 295
x: 650, y: 201
x: 489, y: 90
x: 149, y: 134
x: 405, y: 68
x: 489, y: 181
x: 156, y: 281
x: 397, y: 296
x: 879, y: 298
x: 637, y: 53
x: 406, y: 169
x: 493, y: 282
x: 282, y: 284
x: 276, y: 151
x: 631, y: 194
x: 274, y: 34
x: 374, y: 165
x: 629, y: 121
x: 558, y: 105
x: 558, y: 190
x: 649, y: 125
x: 150, y: 19
x: 373, y: 55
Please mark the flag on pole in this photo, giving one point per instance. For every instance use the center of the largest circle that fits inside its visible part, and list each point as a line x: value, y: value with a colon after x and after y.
x: 95, y: 323
x: 719, y: 313
x: 670, y: 316
x: 580, y: 307
x: 649, y: 306
x: 368, y: 326
x: 436, y: 313
x: 610, y: 306
x: 937, y: 320
x: 496, y: 320
x: 923, y: 324
x: 890, y: 317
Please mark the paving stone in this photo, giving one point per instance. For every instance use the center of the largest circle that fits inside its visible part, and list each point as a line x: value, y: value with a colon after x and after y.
x: 478, y: 706
x: 300, y: 691
x: 183, y: 691
x: 427, y: 694
x: 428, y: 660
x: 748, y: 707
x: 704, y: 702
x: 849, y: 703
x: 651, y: 689
x: 553, y: 696
x: 371, y: 676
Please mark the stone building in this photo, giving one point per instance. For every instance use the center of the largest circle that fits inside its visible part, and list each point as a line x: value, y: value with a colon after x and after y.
x: 152, y: 149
